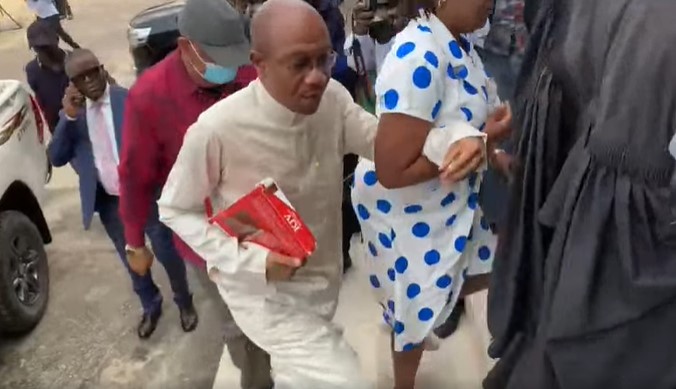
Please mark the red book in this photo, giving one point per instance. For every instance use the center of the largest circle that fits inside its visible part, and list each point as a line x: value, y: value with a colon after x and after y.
x: 264, y: 216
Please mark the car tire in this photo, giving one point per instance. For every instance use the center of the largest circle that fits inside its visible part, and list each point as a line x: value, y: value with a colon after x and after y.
x: 24, y: 274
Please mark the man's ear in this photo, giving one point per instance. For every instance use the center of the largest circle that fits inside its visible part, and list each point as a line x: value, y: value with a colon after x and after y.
x: 258, y: 62
x: 183, y: 44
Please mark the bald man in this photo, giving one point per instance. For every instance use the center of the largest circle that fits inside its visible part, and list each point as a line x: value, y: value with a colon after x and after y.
x: 294, y: 124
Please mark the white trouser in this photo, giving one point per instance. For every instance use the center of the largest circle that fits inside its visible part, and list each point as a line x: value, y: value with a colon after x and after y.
x: 306, y: 350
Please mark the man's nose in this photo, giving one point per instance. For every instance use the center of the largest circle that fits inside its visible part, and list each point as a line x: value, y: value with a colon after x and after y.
x: 316, y: 77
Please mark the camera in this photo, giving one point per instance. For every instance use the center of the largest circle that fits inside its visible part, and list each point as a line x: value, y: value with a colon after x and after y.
x: 374, y: 5
x: 382, y: 27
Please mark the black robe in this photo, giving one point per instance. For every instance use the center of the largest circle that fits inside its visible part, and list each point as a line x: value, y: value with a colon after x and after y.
x: 583, y: 291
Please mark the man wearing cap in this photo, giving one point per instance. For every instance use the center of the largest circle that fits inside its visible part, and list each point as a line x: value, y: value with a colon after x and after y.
x: 46, y: 73
x: 210, y: 63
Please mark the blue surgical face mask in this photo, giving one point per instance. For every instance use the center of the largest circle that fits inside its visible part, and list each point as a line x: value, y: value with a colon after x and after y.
x: 213, y: 73
x: 219, y: 75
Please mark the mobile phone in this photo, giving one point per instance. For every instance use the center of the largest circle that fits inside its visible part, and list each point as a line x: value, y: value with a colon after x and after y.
x: 78, y: 100
x: 76, y: 97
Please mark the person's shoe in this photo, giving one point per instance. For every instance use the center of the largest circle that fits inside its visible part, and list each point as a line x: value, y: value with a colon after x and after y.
x: 451, y: 324
x: 347, y: 262
x: 432, y: 342
x: 148, y: 324
x: 189, y: 318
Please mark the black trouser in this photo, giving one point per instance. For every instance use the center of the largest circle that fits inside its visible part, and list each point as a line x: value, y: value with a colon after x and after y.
x: 63, y: 7
x: 348, y: 78
x: 350, y: 222
x: 55, y: 22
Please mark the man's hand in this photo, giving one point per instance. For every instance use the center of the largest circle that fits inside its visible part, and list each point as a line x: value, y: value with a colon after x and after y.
x: 361, y: 18
x: 279, y: 267
x: 111, y: 80
x: 72, y: 101
x: 499, y: 124
x: 501, y: 161
x: 140, y: 260
x: 462, y: 158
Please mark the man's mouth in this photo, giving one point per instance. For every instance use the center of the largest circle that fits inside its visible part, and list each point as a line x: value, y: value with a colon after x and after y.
x: 312, y: 96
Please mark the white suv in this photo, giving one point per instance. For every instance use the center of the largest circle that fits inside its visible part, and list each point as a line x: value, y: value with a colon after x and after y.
x: 24, y: 171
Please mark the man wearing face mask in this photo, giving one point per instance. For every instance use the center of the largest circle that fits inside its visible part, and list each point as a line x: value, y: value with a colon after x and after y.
x: 88, y: 136
x: 208, y: 65
x: 46, y: 73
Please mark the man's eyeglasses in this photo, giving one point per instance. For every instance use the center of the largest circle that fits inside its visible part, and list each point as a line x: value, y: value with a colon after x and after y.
x: 305, y: 65
x: 88, y: 74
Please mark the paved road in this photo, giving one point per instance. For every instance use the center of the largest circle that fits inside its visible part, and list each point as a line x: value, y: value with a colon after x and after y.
x: 87, y: 338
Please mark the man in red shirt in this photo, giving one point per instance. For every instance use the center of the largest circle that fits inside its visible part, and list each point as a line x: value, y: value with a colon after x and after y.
x: 210, y: 63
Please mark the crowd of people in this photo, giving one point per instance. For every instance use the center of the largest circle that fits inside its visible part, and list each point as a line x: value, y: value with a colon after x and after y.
x: 562, y: 212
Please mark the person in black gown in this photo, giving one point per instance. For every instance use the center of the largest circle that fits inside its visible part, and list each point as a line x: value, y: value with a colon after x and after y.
x: 583, y: 294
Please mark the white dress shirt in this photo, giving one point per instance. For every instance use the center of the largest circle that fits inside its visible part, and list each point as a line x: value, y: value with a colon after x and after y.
x: 42, y: 8
x: 92, y: 126
x: 478, y: 37
x: 373, y: 52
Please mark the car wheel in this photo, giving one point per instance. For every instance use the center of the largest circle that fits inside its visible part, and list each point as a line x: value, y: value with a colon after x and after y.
x: 24, y: 274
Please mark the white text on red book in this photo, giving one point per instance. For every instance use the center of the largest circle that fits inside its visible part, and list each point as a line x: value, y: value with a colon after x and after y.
x: 293, y: 222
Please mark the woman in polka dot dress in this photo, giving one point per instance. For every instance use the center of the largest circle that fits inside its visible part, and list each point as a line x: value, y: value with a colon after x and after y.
x: 424, y: 236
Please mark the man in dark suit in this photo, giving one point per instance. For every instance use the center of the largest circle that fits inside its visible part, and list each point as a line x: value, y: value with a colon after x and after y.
x: 88, y: 136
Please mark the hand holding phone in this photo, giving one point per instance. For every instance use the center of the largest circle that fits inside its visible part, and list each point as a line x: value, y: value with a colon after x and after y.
x: 362, y: 17
x: 73, y: 100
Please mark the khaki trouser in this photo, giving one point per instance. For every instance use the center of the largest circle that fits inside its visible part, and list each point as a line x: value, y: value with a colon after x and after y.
x: 253, y: 363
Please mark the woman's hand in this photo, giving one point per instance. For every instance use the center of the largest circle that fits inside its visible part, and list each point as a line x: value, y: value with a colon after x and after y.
x: 499, y: 125
x: 463, y: 157
x: 499, y: 128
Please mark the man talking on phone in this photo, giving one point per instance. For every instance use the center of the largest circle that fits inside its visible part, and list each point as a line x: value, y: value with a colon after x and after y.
x: 88, y: 135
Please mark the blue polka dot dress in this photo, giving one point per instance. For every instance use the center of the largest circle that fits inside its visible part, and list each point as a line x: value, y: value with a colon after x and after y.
x: 422, y: 241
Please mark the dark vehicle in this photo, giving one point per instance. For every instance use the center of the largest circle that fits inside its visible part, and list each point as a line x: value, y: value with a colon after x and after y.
x: 153, y: 33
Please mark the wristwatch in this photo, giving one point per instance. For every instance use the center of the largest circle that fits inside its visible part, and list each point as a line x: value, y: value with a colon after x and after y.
x: 129, y: 250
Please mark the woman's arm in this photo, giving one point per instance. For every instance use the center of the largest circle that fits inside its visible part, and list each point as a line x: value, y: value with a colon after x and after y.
x: 398, y: 151
x: 403, y: 159
x: 411, y: 94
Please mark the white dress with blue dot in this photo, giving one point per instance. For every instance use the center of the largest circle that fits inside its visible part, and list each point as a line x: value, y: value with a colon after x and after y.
x: 422, y: 241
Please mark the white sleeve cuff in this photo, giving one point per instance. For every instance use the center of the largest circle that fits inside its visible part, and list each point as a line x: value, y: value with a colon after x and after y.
x: 440, y: 139
x: 248, y: 275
